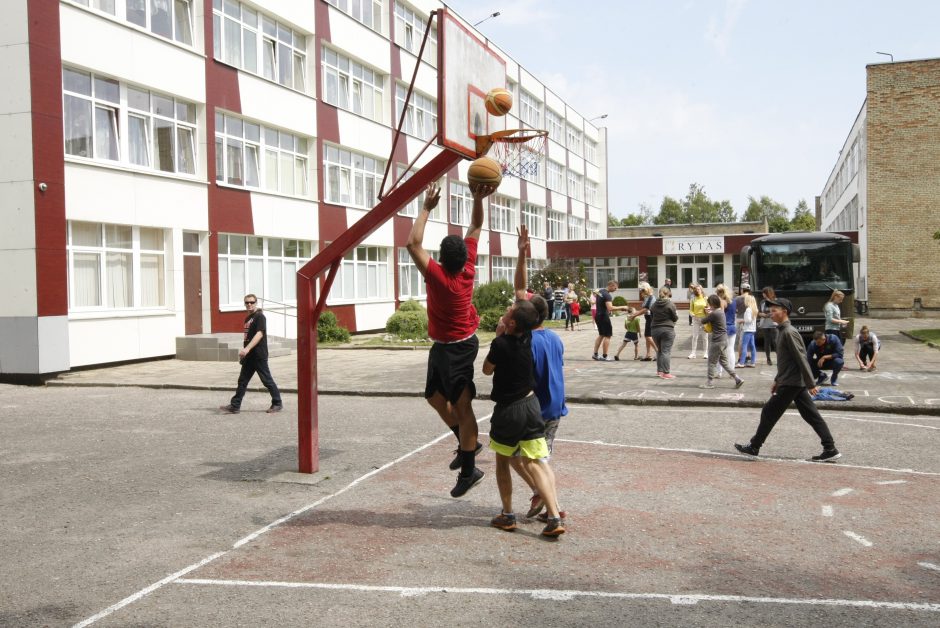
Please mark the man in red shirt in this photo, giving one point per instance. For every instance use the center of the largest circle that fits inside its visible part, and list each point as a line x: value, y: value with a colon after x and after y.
x: 452, y: 325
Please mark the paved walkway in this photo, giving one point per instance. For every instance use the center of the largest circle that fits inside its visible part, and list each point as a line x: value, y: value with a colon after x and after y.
x: 907, y: 380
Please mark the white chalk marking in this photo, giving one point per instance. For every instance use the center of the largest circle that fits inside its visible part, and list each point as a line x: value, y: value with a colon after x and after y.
x: 883, y: 482
x: 859, y: 539
x: 827, y: 511
x: 929, y: 566
x: 568, y: 594
x: 143, y: 592
x: 842, y: 492
x: 153, y: 587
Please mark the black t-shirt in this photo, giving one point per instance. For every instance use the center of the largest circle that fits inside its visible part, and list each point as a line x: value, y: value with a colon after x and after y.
x: 514, y: 377
x: 603, y: 298
x: 253, y: 324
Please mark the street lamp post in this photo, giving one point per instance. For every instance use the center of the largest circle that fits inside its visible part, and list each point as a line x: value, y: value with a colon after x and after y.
x: 491, y: 15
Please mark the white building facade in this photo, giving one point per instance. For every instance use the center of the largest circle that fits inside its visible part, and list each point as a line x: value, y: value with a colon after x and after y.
x: 163, y: 158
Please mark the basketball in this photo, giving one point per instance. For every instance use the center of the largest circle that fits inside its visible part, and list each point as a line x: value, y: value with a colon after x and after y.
x: 498, y: 101
x: 485, y: 171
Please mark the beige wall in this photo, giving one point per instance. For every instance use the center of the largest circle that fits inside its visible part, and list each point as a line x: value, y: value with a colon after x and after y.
x: 716, y: 228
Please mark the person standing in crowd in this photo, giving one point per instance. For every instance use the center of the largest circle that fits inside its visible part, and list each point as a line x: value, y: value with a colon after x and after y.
x: 793, y: 383
x: 718, y: 344
x: 575, y: 309
x: 547, y: 293
x: 646, y: 294
x: 834, y: 320
x: 730, y: 315
x: 697, y: 306
x: 570, y: 297
x: 767, y: 325
x: 663, y: 326
x: 748, y: 332
x: 593, y: 301
x: 558, y: 302
x: 605, y: 307
x: 689, y: 295
x: 253, y: 356
x: 825, y: 352
x: 867, y: 347
x: 632, y: 335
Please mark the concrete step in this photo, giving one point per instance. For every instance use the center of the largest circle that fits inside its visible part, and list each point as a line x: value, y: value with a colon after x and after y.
x: 224, y: 347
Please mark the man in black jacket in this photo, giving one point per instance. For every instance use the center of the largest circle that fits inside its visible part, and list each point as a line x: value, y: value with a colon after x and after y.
x: 794, y: 383
x: 825, y: 352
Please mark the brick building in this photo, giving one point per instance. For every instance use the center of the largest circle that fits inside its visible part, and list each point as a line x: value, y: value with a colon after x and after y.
x: 886, y: 184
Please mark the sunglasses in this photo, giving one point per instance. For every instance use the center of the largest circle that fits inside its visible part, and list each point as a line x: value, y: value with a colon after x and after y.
x: 250, y: 302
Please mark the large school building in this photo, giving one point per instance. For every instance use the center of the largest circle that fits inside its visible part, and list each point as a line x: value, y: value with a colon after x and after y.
x: 162, y: 158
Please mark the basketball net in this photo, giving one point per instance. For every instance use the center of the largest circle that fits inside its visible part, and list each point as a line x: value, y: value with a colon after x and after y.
x: 518, y: 151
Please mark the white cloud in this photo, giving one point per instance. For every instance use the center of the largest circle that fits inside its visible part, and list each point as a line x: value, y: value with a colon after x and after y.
x: 719, y: 32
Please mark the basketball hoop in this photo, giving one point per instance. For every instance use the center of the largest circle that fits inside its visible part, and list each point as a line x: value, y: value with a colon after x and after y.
x: 518, y: 151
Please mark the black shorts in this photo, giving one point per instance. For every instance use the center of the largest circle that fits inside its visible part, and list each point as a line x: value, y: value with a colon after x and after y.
x: 604, y: 328
x: 520, y: 420
x: 450, y: 369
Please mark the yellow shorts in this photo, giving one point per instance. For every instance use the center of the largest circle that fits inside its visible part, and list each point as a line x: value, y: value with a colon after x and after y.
x: 535, y: 449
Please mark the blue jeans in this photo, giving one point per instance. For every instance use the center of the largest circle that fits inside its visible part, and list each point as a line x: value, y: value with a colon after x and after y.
x: 748, y: 343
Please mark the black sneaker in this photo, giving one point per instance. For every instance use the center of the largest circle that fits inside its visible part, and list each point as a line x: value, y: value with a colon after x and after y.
x: 554, y: 527
x: 465, y: 483
x: 822, y: 379
x: 275, y: 407
x: 748, y: 449
x: 828, y: 455
x: 455, y: 463
x: 229, y: 409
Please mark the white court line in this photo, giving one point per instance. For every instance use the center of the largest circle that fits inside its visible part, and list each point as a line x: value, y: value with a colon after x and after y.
x: 929, y: 566
x: 153, y: 587
x: 883, y: 482
x: 827, y: 414
x: 826, y: 510
x: 681, y: 599
x: 842, y: 492
x: 858, y: 538
x: 725, y: 454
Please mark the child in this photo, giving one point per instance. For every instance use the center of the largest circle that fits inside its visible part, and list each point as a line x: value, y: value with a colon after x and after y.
x: 632, y: 335
x: 718, y: 344
x: 516, y: 426
x: 575, y: 313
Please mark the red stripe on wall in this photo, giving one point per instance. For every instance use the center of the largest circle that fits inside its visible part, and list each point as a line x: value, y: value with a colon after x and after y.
x: 45, y: 80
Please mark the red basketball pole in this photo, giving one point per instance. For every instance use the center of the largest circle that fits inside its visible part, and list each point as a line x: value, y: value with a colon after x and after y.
x: 309, y: 306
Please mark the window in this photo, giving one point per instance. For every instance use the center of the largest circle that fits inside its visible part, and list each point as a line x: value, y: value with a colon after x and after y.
x: 556, y: 225
x: 364, y: 274
x: 503, y: 214
x: 161, y: 130
x: 555, y: 126
x: 530, y: 110
x: 172, y: 19
x: 605, y: 271
x: 575, y: 185
x: 534, y: 265
x: 575, y: 228
x: 461, y: 204
x: 556, y: 176
x: 266, y: 267
x: 482, y: 275
x: 369, y: 12
x: 352, y: 179
x: 593, y: 229
x: 421, y: 115
x: 590, y: 150
x: 410, y: 282
x: 352, y: 86
x: 652, y: 271
x: 116, y: 266
x: 574, y: 140
x: 504, y: 268
x: 718, y: 270
x: 534, y: 217
x: 257, y: 43
x: 590, y: 192
x: 411, y: 209
x: 106, y: 6
x: 254, y: 156
x: 409, y: 33
x: 537, y: 172
x: 628, y: 272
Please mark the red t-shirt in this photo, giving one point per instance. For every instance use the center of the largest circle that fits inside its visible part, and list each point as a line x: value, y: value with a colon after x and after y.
x: 451, y: 315
x: 575, y: 308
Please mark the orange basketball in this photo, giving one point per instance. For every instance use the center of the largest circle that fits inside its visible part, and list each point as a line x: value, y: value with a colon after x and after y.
x: 485, y: 171
x: 498, y: 101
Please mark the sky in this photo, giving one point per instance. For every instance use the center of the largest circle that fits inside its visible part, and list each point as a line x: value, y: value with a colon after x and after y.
x: 748, y: 98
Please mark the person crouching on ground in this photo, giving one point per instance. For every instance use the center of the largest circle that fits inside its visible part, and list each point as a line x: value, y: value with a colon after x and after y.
x: 867, y: 347
x: 517, y: 425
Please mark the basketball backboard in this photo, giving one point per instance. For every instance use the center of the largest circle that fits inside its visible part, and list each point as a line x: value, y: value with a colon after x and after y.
x: 467, y: 69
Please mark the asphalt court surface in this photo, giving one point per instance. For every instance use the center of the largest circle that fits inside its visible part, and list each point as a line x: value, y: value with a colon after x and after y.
x: 667, y: 526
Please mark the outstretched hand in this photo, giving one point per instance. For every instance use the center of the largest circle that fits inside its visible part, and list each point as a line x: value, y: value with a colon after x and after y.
x: 523, y: 241
x: 432, y: 194
x: 481, y: 190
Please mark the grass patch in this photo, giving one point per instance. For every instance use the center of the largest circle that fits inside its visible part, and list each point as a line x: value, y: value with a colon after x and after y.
x: 925, y: 335
x: 485, y: 337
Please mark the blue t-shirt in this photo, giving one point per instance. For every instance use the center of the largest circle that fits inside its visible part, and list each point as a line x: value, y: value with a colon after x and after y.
x: 730, y: 311
x: 548, y: 364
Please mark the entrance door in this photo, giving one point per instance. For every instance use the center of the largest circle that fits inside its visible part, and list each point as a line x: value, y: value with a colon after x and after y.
x: 694, y: 273
x: 192, y: 289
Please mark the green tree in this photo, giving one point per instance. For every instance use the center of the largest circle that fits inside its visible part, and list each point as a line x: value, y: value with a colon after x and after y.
x: 695, y: 207
x: 777, y: 214
x: 670, y: 213
x: 803, y: 219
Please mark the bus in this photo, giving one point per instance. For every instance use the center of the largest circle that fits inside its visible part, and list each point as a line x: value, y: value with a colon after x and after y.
x: 804, y: 267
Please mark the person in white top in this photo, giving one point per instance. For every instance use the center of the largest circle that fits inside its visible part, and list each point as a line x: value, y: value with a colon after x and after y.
x: 867, y: 347
x: 749, y: 327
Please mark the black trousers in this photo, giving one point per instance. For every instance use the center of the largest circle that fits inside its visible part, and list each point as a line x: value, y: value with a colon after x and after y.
x: 249, y: 368
x: 866, y: 351
x: 770, y: 340
x: 778, y: 404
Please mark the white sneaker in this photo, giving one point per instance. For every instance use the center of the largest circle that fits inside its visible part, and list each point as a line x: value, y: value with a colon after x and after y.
x: 692, y: 357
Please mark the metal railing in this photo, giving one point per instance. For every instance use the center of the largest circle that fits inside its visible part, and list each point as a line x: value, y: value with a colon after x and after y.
x: 284, y: 310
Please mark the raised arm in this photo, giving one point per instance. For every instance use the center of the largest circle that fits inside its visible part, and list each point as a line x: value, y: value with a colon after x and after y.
x: 520, y: 279
x: 476, y: 218
x: 415, y: 243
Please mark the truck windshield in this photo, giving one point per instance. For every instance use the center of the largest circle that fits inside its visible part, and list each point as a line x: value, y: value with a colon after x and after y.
x: 805, y: 266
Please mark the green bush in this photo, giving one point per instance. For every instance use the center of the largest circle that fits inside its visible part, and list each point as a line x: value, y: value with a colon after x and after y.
x: 411, y: 306
x: 618, y: 300
x: 329, y: 329
x: 496, y: 294
x: 408, y: 324
x: 489, y: 319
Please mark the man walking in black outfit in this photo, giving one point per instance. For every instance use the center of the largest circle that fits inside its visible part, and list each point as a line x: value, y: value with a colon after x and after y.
x: 794, y: 383
x: 254, y: 359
